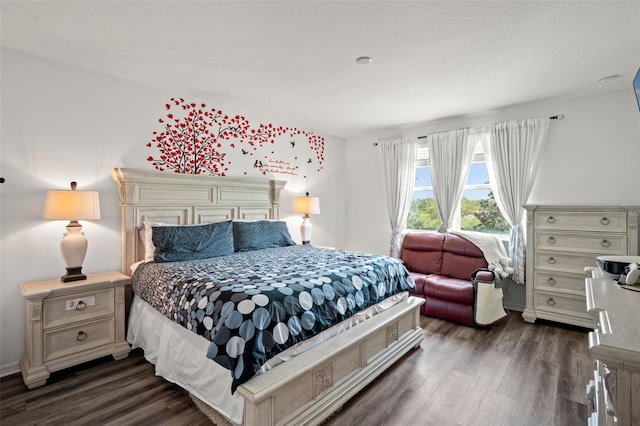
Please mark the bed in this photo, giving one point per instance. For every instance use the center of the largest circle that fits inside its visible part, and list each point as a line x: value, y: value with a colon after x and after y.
x: 294, y: 381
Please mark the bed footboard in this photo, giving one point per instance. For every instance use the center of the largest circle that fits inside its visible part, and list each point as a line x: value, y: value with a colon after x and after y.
x: 309, y: 388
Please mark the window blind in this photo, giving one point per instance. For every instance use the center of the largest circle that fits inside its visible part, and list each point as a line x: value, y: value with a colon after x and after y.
x: 422, y: 158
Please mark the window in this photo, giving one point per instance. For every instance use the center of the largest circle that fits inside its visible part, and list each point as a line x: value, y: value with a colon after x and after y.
x: 478, y: 210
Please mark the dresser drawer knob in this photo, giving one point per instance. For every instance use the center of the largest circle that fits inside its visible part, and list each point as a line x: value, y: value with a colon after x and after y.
x: 606, y: 243
x: 551, y: 219
x: 552, y: 260
x: 604, y: 220
x: 551, y: 281
x: 81, y: 306
x: 550, y: 301
x: 82, y: 336
x: 551, y: 240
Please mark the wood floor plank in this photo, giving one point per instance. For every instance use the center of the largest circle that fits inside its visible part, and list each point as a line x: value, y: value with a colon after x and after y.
x: 512, y: 373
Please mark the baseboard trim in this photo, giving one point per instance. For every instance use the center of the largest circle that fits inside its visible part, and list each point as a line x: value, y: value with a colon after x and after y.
x: 9, y: 369
x: 514, y: 307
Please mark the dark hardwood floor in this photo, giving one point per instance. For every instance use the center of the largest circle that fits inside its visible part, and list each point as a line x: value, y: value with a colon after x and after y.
x: 512, y: 373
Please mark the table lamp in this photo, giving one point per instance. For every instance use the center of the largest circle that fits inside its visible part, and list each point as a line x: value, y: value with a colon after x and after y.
x: 72, y: 205
x: 306, y: 206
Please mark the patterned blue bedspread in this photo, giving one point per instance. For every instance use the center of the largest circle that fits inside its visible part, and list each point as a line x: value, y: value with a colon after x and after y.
x: 253, y: 305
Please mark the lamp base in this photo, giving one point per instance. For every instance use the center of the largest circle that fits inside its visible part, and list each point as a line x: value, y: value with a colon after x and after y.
x: 74, y: 248
x: 305, y: 229
x: 73, y: 274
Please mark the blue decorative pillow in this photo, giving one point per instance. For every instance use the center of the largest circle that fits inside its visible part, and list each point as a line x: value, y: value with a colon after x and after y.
x: 260, y: 234
x: 176, y: 243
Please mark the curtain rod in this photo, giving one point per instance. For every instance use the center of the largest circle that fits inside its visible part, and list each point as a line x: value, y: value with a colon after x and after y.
x: 553, y: 117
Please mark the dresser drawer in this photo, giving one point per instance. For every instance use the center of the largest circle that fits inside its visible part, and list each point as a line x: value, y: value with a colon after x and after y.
x: 598, y: 221
x: 585, y: 243
x: 561, y: 262
x: 89, y: 335
x: 58, y: 311
x: 559, y: 303
x: 554, y: 281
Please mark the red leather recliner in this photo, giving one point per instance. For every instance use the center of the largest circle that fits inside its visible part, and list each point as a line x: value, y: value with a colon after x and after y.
x: 441, y: 265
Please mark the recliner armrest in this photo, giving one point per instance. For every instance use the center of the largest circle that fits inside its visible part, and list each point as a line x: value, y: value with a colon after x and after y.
x: 484, y: 275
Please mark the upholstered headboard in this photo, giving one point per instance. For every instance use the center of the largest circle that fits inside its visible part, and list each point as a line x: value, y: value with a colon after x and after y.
x: 184, y: 199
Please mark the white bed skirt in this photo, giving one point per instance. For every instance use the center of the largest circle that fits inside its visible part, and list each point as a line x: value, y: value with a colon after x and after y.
x: 180, y: 356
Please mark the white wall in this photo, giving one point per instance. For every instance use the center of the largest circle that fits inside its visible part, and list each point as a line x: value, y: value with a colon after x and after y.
x: 61, y: 124
x: 592, y: 156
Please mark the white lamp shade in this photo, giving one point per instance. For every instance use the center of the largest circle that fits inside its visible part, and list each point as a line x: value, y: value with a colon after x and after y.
x: 72, y: 205
x: 307, y: 205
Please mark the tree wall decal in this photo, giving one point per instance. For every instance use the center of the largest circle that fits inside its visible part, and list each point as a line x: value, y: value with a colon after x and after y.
x: 192, y: 142
x: 196, y: 139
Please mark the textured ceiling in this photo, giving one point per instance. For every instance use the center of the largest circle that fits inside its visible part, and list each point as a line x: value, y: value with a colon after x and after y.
x: 296, y: 60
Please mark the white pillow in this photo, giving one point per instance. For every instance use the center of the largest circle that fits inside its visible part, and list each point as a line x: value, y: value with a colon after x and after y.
x: 147, y: 238
x: 135, y: 266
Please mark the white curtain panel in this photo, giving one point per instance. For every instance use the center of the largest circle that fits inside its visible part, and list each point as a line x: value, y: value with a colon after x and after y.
x: 398, y: 158
x: 513, y: 151
x: 450, y: 155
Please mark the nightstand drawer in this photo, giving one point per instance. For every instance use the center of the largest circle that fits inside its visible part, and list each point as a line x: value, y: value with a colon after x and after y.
x: 586, y: 243
x: 80, y: 338
x: 66, y: 310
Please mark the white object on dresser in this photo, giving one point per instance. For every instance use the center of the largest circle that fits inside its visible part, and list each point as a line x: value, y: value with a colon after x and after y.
x: 70, y: 323
x: 614, y: 393
x: 561, y: 242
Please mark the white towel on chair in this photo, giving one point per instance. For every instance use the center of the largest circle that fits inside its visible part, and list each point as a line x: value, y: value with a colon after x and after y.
x: 493, y: 250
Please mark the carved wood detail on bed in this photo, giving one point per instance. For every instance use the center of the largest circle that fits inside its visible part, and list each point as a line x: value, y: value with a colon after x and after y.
x: 315, y: 384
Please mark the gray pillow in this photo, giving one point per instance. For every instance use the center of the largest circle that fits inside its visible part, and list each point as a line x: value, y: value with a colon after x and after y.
x: 177, y: 243
x: 260, y: 234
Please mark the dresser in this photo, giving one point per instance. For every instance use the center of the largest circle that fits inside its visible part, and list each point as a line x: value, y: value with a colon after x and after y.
x: 70, y: 323
x: 614, y: 391
x: 562, y: 241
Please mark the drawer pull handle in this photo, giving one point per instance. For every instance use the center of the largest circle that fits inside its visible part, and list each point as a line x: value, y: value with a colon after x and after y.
x: 604, y: 220
x: 551, y: 219
x: 552, y: 260
x: 606, y: 243
x: 551, y: 240
x: 550, y: 301
x: 551, y: 281
x: 82, y: 336
x: 81, y: 306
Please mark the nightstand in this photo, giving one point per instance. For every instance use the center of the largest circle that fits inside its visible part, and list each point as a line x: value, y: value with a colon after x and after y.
x: 70, y: 323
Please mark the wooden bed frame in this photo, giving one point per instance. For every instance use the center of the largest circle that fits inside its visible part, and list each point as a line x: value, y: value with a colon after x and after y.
x: 313, y: 385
